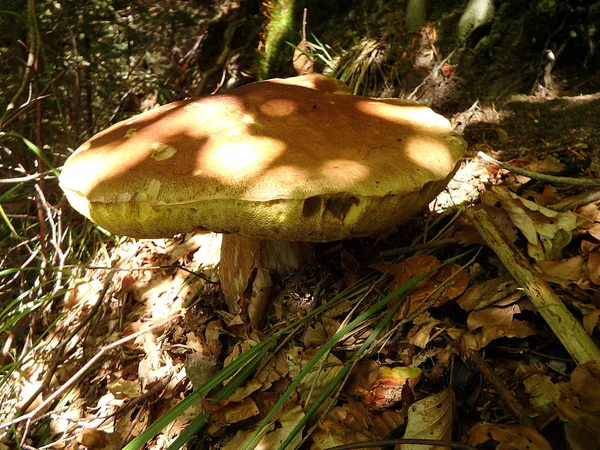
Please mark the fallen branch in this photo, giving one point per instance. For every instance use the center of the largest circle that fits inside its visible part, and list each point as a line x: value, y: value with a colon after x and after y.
x: 568, y: 330
x: 540, y: 176
x: 477, y: 362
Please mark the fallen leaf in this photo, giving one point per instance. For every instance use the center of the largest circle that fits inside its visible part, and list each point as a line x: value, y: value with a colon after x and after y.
x: 508, y: 437
x: 225, y: 413
x: 542, y: 391
x: 493, y: 323
x: 593, y: 267
x: 430, y: 418
x: 420, y: 332
x: 100, y: 440
x: 487, y: 293
x: 567, y: 269
x: 319, y: 377
x: 547, y: 231
x: 585, y: 382
x: 442, y: 285
x: 200, y: 367
x: 352, y: 423
x: 125, y: 389
x: 287, y: 422
x: 579, y: 407
x: 302, y: 61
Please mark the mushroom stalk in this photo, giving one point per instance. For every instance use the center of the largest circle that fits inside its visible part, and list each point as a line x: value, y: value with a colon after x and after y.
x: 249, y: 267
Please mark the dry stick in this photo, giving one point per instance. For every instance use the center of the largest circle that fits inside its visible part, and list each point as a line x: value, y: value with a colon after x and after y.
x: 84, y: 369
x: 585, y: 198
x: 541, y: 176
x: 568, y: 330
x: 426, y: 443
x: 509, y: 399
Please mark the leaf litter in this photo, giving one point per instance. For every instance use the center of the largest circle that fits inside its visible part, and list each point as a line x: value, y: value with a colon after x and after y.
x: 418, y: 379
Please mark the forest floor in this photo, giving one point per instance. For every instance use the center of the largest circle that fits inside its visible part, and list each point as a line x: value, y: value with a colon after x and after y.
x: 469, y: 359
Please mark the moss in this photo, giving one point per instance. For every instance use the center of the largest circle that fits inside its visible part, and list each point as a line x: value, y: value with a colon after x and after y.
x: 547, y: 7
x: 280, y: 26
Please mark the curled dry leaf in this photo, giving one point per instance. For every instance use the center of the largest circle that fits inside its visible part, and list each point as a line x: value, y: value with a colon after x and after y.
x: 547, y: 231
x: 593, y: 267
x: 420, y: 333
x: 354, y: 422
x: 488, y: 293
x: 100, y: 440
x: 442, y: 285
x: 225, y: 413
x: 493, y: 323
x: 570, y: 270
x: 508, y: 437
x: 302, y: 61
x: 430, y: 418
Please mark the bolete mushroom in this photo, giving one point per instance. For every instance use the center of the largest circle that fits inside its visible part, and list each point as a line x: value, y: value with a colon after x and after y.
x: 269, y: 164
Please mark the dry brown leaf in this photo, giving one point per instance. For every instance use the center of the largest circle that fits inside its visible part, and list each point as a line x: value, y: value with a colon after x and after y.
x: 589, y: 215
x: 100, y: 440
x: 302, y: 61
x: 275, y: 369
x: 430, y: 418
x: 352, y: 423
x: 543, y: 393
x: 319, y: 377
x: 593, y: 267
x: 508, y: 437
x: 594, y: 231
x: 491, y: 317
x: 125, y: 389
x: 487, y: 293
x: 442, y: 285
x: 567, y: 269
x: 590, y: 320
x: 546, y: 165
x: 585, y: 382
x: 494, y: 323
x: 582, y: 427
x: 225, y: 413
x: 259, y: 298
x: 287, y: 422
x: 547, y: 231
x: 315, y: 336
x: 579, y: 407
x: 420, y: 332
x: 548, y: 196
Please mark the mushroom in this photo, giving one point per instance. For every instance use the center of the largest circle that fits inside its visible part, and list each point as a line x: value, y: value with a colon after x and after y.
x: 273, y: 165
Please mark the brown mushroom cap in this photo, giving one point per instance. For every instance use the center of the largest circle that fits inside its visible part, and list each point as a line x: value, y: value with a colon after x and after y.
x: 295, y: 159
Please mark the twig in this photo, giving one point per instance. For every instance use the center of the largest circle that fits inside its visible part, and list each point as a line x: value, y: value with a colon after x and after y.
x: 48, y: 174
x: 568, y: 330
x: 428, y: 443
x: 475, y: 360
x: 585, y: 198
x: 540, y: 176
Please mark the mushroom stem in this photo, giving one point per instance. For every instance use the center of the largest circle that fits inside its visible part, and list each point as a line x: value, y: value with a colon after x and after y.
x: 249, y: 267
